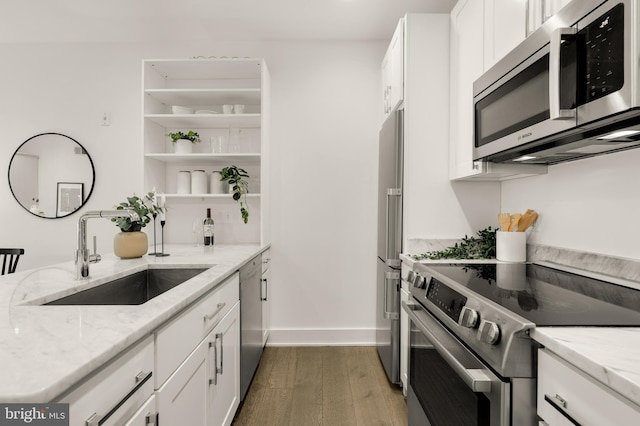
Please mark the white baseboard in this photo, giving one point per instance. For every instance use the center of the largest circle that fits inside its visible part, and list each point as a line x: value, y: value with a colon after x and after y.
x: 322, y: 337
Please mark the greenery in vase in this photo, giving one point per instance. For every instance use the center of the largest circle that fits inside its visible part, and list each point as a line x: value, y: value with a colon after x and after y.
x: 482, y: 247
x: 235, y: 176
x: 145, y: 207
x: 192, y: 136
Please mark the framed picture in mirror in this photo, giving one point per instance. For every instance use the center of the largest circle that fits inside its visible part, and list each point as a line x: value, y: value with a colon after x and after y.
x: 70, y: 197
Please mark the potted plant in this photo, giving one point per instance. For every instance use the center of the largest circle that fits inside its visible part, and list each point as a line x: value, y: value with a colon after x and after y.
x: 131, y: 242
x: 183, y: 142
x: 238, y: 186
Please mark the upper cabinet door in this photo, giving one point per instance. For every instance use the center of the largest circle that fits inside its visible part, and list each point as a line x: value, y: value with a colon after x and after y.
x: 467, y: 64
x: 393, y: 71
x: 505, y: 28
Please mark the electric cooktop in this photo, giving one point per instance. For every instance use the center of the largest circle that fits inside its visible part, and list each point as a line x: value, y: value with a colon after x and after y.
x: 547, y: 296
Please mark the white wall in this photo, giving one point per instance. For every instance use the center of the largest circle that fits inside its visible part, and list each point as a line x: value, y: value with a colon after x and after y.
x: 324, y: 146
x: 588, y: 205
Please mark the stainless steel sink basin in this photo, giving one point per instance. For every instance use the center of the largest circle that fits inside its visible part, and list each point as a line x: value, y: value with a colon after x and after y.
x: 134, y: 289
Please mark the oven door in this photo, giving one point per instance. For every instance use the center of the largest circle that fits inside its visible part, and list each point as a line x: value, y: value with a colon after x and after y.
x: 448, y: 385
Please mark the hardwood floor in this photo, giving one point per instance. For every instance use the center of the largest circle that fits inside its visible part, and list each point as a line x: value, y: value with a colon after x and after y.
x: 326, y: 386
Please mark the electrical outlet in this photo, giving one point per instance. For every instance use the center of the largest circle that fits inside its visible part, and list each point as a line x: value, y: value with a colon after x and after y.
x: 106, y: 119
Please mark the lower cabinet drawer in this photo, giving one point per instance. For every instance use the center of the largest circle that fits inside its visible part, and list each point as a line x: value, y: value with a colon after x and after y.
x: 177, y: 339
x: 565, y: 393
x: 114, y: 394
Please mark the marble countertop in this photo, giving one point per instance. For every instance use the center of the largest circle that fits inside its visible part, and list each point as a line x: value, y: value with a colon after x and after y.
x: 610, y: 355
x: 44, y: 350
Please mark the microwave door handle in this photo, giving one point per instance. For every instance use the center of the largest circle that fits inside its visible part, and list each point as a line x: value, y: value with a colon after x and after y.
x: 554, y: 75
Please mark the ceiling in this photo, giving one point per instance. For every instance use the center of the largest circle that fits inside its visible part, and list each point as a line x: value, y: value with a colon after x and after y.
x: 96, y: 21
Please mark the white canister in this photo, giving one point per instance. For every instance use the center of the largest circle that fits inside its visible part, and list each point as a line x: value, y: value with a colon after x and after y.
x: 511, y: 246
x: 184, y: 182
x: 198, y: 182
x: 216, y: 185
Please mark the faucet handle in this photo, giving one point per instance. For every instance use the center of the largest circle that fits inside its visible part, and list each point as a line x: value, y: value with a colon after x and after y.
x: 95, y: 257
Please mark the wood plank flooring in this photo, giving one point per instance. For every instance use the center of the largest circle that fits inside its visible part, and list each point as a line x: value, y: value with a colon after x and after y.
x: 324, y: 386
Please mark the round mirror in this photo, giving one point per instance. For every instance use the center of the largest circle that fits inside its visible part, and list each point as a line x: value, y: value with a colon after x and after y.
x: 51, y: 175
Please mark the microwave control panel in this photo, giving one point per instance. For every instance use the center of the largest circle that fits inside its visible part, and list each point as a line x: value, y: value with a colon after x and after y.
x: 601, y: 46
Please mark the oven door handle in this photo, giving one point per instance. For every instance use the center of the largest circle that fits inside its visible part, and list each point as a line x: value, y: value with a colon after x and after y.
x: 476, y: 379
x: 555, y: 112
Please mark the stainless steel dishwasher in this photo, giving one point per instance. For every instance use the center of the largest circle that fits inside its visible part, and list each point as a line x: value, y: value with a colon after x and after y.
x: 250, y: 321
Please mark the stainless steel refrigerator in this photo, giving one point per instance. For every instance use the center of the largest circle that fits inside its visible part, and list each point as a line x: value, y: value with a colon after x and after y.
x: 390, y: 167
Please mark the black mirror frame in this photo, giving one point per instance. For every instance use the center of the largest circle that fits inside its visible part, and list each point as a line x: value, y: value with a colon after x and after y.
x: 93, y: 181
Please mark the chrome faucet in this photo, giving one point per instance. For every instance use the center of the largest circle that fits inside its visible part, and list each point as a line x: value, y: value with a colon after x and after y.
x: 83, y: 258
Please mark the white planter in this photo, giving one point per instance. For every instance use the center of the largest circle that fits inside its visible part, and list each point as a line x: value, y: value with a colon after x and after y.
x: 183, y: 146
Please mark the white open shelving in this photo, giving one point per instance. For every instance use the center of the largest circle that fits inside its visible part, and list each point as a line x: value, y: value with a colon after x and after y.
x: 206, y: 85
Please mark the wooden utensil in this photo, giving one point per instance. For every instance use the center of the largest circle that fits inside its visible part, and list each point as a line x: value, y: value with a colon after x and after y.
x: 515, y: 219
x: 504, y: 219
x: 527, y: 220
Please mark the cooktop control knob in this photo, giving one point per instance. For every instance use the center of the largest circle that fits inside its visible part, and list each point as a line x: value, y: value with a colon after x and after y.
x: 468, y: 317
x: 489, y: 332
x: 419, y: 282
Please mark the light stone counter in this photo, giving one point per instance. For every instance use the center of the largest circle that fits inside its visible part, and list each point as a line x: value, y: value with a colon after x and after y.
x: 44, y: 350
x: 610, y: 355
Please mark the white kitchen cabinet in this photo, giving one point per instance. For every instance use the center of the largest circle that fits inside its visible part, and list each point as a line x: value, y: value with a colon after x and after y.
x: 223, y: 392
x: 205, y: 388
x: 393, y: 72
x: 481, y: 34
x: 177, y: 339
x: 264, y: 292
x: 505, y: 28
x: 405, y: 330
x: 123, y: 384
x: 146, y: 415
x: 538, y: 11
x: 205, y: 85
x: 566, y: 393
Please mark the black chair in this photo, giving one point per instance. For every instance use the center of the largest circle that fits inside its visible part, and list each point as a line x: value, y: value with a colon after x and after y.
x: 13, y: 255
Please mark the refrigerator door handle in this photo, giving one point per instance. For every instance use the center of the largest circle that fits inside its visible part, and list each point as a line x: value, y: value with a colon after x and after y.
x: 390, y: 277
x: 391, y: 258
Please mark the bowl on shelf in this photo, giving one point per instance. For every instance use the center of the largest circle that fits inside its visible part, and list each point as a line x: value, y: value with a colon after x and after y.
x: 206, y: 111
x: 177, y: 109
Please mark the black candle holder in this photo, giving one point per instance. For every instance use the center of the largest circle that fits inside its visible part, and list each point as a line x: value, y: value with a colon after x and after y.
x: 155, y: 250
x: 162, y: 253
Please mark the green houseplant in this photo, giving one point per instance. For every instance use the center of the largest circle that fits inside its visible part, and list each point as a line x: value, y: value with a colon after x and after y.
x: 183, y: 142
x: 131, y: 242
x: 235, y: 177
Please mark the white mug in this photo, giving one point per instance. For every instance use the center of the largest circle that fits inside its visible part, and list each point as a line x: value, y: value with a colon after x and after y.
x: 239, y: 109
x: 227, y: 109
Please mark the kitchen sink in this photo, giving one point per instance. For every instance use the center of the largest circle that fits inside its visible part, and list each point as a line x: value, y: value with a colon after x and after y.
x: 134, y: 289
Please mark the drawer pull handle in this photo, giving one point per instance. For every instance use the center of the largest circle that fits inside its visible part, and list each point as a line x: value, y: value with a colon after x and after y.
x: 559, y: 403
x: 216, y: 312
x: 97, y: 420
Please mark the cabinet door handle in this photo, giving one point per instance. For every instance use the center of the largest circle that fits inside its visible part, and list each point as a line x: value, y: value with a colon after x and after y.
x: 140, y: 379
x: 220, y: 336
x: 216, y: 312
x: 214, y: 380
x: 151, y: 419
x: 265, y: 293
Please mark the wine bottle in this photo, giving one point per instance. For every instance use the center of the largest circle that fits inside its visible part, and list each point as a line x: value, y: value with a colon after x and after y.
x: 208, y: 229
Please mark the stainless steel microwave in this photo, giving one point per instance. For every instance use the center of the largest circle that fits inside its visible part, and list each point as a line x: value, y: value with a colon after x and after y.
x: 569, y: 90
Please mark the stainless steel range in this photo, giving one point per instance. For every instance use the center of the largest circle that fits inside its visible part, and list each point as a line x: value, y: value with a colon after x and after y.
x: 472, y: 361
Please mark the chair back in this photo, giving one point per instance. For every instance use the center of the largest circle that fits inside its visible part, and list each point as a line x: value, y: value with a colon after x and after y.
x: 10, y: 257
